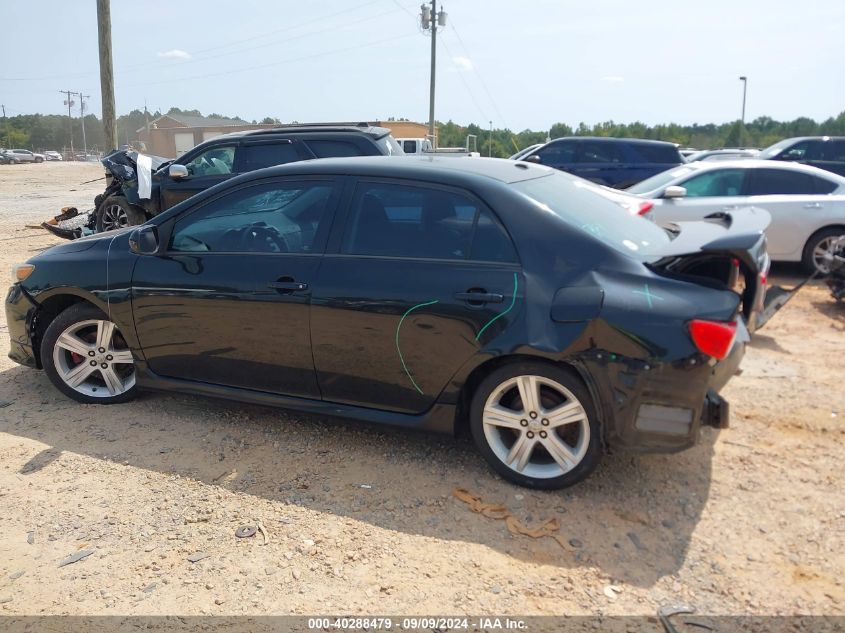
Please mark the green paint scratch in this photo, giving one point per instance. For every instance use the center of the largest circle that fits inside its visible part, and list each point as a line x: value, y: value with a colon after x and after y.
x: 499, y: 316
x: 398, y: 327
x: 648, y: 295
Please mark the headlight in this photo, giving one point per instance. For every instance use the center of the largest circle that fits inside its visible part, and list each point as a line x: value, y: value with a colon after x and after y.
x: 22, y: 271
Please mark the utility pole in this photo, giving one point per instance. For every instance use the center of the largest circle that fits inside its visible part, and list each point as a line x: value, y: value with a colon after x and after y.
x: 6, y: 128
x: 82, y: 99
x: 744, y: 81
x: 430, y: 19
x: 106, y: 73
x: 490, y: 145
x: 69, y: 104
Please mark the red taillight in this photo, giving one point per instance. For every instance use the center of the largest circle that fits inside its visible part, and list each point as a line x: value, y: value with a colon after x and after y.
x: 645, y: 207
x: 713, y: 338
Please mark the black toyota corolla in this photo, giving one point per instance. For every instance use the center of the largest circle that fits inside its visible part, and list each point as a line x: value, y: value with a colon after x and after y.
x: 506, y: 299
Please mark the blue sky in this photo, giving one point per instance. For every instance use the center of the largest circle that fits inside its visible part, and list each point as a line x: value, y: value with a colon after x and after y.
x: 523, y: 64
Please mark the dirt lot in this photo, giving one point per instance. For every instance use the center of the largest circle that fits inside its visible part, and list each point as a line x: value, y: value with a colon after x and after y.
x: 363, y: 521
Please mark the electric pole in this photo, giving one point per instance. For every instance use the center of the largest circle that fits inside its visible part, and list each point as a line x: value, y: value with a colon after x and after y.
x: 430, y: 19
x: 6, y: 128
x: 82, y: 99
x: 744, y: 81
x: 106, y: 73
x: 69, y: 103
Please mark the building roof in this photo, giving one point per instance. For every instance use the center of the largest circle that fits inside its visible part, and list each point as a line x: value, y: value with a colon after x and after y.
x: 192, y: 120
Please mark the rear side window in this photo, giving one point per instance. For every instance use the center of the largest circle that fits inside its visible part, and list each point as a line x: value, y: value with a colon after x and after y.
x: 263, y: 155
x: 835, y: 151
x: 334, y: 149
x: 717, y: 182
x: 658, y: 153
x: 823, y: 185
x: 766, y: 182
x: 599, y: 152
x: 393, y: 220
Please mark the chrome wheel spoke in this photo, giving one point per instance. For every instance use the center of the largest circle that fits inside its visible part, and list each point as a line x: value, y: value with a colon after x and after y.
x: 520, y: 452
x: 560, y: 452
x: 113, y: 382
x: 73, y: 343
x: 79, y: 374
x: 105, y: 332
x: 568, y: 413
x: 122, y: 356
x: 498, y: 415
x: 529, y: 393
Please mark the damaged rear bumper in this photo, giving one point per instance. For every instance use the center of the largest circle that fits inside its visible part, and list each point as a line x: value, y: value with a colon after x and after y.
x: 20, y: 311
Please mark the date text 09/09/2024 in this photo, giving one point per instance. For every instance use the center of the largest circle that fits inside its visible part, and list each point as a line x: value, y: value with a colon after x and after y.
x: 417, y: 623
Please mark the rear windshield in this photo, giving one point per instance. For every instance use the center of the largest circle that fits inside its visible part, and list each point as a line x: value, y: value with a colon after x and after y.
x: 660, y: 180
x: 574, y: 201
x: 659, y: 153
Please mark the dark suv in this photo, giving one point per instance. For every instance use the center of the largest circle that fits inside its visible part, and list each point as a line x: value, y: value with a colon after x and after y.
x: 824, y: 152
x: 135, y: 192
x: 615, y: 162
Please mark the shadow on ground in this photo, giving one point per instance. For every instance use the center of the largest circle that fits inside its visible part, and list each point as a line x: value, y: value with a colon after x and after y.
x: 633, y: 519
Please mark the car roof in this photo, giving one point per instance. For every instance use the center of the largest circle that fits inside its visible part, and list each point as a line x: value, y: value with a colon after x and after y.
x: 613, y: 139
x: 822, y: 137
x: 307, y: 128
x: 760, y: 163
x: 419, y: 167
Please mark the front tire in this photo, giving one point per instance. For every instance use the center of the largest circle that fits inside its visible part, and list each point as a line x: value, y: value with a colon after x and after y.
x: 818, y: 246
x: 39, y: 160
x: 116, y: 212
x: 86, y: 357
x: 536, y: 425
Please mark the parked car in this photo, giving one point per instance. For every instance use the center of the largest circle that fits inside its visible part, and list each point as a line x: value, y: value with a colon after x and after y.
x: 824, y: 152
x: 23, y: 156
x: 525, y: 151
x: 807, y: 204
x: 615, y: 162
x: 485, y: 295
x: 221, y: 158
x: 4, y: 160
x: 723, y: 154
x: 52, y: 155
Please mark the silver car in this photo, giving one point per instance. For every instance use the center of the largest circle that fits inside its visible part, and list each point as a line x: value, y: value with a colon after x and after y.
x: 23, y: 156
x: 807, y: 204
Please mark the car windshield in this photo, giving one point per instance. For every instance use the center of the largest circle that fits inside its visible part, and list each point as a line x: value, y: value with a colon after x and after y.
x: 575, y: 201
x: 660, y: 180
x: 774, y: 150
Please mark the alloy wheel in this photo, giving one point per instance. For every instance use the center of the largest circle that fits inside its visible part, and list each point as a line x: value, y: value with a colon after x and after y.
x: 114, y: 217
x: 92, y: 358
x: 536, y: 427
x: 824, y: 251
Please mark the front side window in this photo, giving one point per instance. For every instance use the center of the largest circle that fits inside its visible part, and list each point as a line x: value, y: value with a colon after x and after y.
x: 557, y: 153
x: 717, y: 182
x: 215, y: 161
x: 393, y: 220
x: 767, y: 182
x: 281, y: 217
x: 260, y: 155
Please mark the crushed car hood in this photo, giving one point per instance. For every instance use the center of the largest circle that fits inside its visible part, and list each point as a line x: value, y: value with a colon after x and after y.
x: 123, y: 164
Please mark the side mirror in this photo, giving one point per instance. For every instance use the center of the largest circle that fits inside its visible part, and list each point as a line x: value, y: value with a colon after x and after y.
x: 673, y: 192
x: 178, y: 172
x: 532, y: 159
x: 144, y: 240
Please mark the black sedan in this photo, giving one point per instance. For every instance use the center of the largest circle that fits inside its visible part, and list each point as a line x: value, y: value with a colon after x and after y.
x: 504, y: 299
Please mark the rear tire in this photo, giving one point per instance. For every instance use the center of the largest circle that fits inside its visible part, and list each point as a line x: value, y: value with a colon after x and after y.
x: 86, y: 357
x: 116, y: 212
x: 553, y: 442
x: 39, y: 160
x: 819, y: 242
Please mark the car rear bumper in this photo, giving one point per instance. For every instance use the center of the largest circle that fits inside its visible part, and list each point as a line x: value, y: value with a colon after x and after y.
x: 20, y: 311
x: 662, y: 408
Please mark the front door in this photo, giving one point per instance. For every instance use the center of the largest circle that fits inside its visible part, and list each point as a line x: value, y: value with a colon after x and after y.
x: 228, y: 304
x: 206, y: 169
x: 424, y: 278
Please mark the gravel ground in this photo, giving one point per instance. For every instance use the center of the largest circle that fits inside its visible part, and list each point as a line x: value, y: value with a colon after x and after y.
x: 362, y: 520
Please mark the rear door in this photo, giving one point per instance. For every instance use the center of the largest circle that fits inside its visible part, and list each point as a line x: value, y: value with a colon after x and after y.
x: 798, y: 203
x: 206, y: 168
x: 414, y: 284
x: 707, y: 192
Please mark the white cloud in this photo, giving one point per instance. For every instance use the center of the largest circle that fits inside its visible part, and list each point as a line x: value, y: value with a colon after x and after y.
x: 462, y: 64
x: 175, y: 53
x: 613, y: 79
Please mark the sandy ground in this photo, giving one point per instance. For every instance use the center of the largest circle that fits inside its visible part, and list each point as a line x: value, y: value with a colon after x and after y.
x: 362, y: 520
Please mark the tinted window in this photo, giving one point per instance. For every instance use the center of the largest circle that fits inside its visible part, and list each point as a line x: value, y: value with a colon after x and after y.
x: 406, y: 221
x: 835, y: 151
x: 409, y: 147
x: 717, y: 182
x: 262, y: 155
x: 658, y: 153
x: 215, y: 161
x: 554, y: 153
x: 780, y: 181
x: 823, y: 185
x: 330, y: 149
x: 269, y: 218
x: 599, y: 152
x: 577, y: 204
x: 804, y: 150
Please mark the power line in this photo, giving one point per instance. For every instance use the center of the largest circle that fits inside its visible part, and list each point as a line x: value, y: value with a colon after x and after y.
x: 464, y: 81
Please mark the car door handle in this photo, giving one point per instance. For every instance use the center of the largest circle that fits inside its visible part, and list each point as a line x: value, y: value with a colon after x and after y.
x: 480, y: 297
x: 813, y: 205
x: 290, y: 286
x: 730, y: 207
